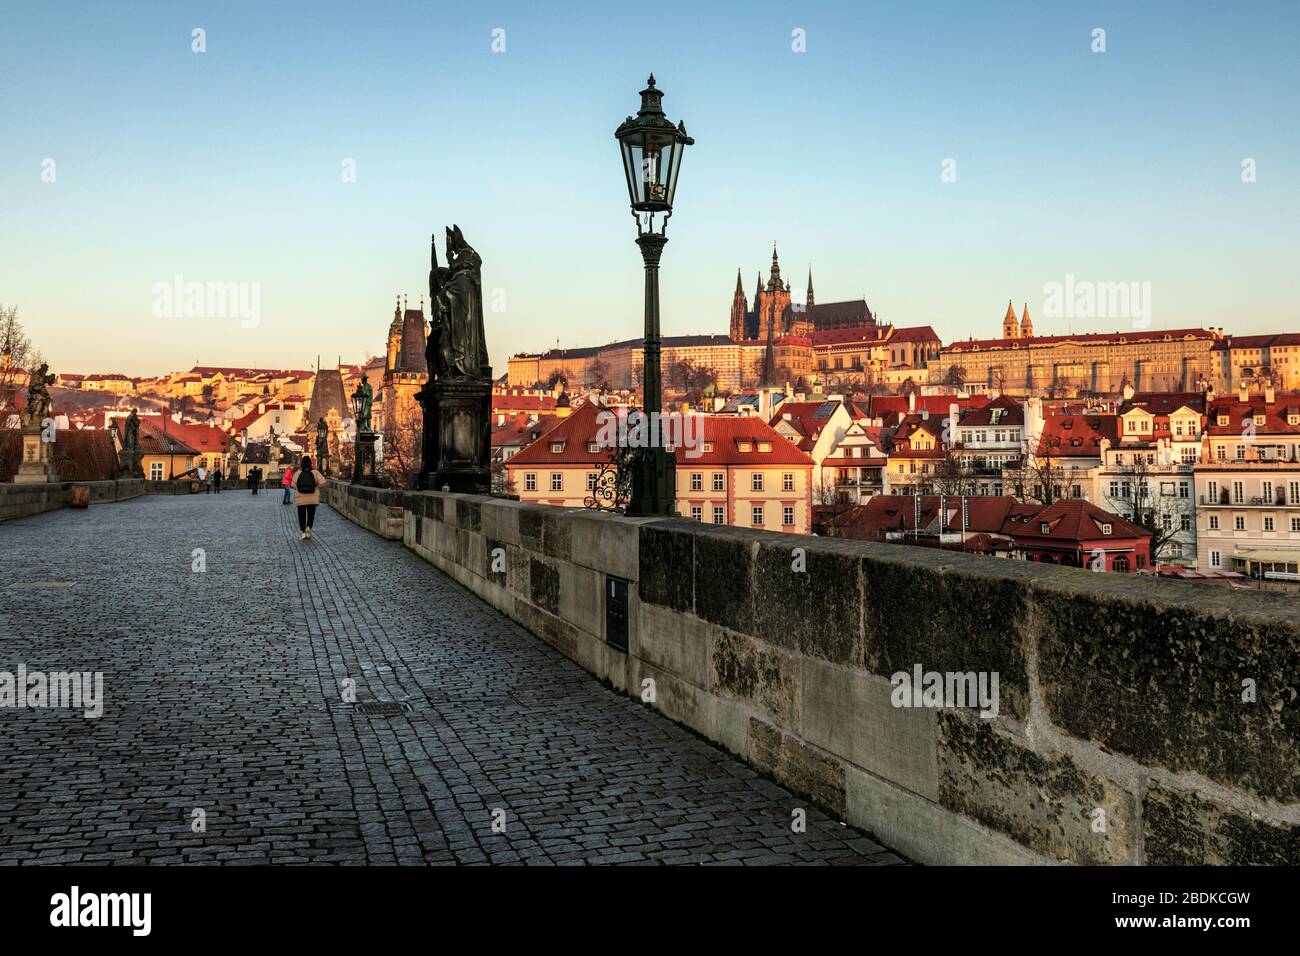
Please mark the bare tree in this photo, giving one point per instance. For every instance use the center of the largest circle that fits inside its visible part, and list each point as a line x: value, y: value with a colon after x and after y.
x: 598, y: 374
x: 956, y: 375
x: 1140, y: 502
x: 17, y: 358
x: 952, y: 477
x: 403, y: 441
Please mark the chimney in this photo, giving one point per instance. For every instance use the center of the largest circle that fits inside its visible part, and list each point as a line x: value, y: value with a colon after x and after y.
x: 1269, y: 394
x: 1243, y: 393
x: 954, y: 418
x: 501, y: 419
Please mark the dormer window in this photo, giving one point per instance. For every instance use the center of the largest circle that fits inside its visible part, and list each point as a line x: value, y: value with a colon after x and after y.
x: 592, y: 447
x: 1105, y: 529
x: 765, y: 446
x: 1045, y: 527
x: 1259, y: 419
x: 744, y: 446
x: 708, y: 447
x: 1222, y: 420
x: 557, y: 447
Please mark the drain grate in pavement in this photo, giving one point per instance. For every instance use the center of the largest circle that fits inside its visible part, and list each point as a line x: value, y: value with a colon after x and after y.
x: 383, y: 708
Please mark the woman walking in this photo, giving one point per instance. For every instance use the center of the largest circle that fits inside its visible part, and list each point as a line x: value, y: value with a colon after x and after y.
x: 286, y: 482
x: 307, y: 482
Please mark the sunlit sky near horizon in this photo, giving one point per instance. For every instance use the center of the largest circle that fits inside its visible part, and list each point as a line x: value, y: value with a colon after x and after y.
x: 226, y: 166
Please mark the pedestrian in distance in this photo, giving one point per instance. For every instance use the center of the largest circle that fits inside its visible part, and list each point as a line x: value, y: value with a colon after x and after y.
x: 216, y: 479
x: 307, y: 482
x: 286, y: 483
x: 253, y: 477
x: 207, y: 482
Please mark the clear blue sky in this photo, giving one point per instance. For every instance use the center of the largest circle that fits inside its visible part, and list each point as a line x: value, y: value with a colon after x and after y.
x: 226, y: 166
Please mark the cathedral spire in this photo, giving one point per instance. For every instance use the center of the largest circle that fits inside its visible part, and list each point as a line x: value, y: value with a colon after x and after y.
x: 774, y: 280
x: 808, y: 304
x: 739, y: 288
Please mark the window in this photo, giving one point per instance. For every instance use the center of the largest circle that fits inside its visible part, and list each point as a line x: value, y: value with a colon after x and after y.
x: 756, y: 481
x: 1183, y: 491
x: 1214, y: 522
x: 1295, y: 524
x: 1167, y: 522
x: 1239, y: 522
x: 591, y: 481
x: 1268, y: 522
x: 155, y: 471
x: 719, y: 514
x: 756, y: 516
x: 1214, y: 559
x: 557, y: 447
x: 1120, y: 564
x: 1185, y: 522
x: 557, y: 481
x: 787, y: 481
x: 719, y: 481
x: 787, y: 516
x: 592, y: 447
x: 530, y: 481
x: 697, y: 513
x: 697, y: 481
x: 1105, y: 529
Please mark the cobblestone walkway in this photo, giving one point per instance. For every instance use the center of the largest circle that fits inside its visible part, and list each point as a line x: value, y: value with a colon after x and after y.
x: 223, y: 695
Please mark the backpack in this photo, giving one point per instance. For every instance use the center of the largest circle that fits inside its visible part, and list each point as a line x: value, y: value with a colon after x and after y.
x: 306, y: 482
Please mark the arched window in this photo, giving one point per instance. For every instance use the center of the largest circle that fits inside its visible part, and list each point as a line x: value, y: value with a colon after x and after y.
x: 1120, y: 564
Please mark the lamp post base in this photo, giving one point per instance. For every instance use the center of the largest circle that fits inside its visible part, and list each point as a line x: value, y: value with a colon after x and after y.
x: 654, y: 484
x: 363, y: 468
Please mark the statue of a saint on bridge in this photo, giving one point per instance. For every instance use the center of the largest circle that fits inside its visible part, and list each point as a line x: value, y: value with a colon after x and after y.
x: 38, y: 396
x: 457, y: 347
x: 366, y: 400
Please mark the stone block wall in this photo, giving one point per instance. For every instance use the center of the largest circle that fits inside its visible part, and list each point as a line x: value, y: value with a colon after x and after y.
x: 21, y: 501
x: 1139, y: 721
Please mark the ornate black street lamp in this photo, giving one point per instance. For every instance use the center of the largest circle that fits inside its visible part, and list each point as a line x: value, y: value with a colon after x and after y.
x: 363, y: 464
x: 652, y: 149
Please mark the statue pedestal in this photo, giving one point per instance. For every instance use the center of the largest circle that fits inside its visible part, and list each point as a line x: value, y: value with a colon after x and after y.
x: 36, y: 467
x: 456, y: 448
x: 363, y: 464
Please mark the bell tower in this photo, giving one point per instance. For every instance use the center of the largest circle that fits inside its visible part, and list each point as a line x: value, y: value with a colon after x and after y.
x: 1010, y: 324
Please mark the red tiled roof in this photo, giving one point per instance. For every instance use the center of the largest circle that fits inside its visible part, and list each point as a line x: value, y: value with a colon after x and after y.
x: 718, y: 438
x: 1275, y: 415
x: 915, y: 333
x: 883, y: 406
x: 1255, y: 341
x: 1077, y: 436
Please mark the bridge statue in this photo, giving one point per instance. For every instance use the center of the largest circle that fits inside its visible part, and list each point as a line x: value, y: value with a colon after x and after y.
x: 322, y: 446
x: 38, y: 396
x: 457, y: 399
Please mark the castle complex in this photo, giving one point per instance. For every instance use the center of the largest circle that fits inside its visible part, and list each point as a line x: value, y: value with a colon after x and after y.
x: 775, y: 314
